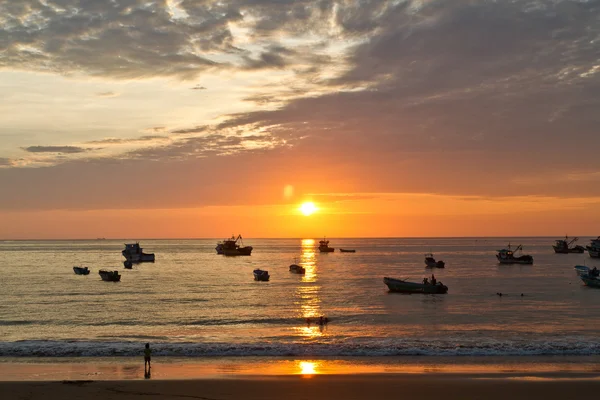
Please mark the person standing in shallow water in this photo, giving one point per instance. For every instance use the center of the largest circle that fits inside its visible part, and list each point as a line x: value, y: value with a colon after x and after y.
x: 147, y: 358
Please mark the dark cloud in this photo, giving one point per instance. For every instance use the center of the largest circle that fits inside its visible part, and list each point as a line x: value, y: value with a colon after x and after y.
x: 145, y: 138
x: 197, y: 129
x: 5, y: 161
x: 55, y: 149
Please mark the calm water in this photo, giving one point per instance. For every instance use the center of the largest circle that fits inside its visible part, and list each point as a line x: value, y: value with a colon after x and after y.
x: 193, y: 302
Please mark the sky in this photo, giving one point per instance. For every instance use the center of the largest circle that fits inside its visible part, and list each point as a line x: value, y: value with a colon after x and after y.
x: 202, y: 118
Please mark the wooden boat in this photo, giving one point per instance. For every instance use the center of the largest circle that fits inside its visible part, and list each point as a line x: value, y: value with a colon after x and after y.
x: 109, y: 276
x: 594, y: 248
x: 134, y: 253
x: 324, y: 247
x: 402, y: 286
x: 230, y: 247
x: 581, y: 270
x: 347, y: 250
x: 431, y: 263
x: 565, y: 246
x: 81, y: 270
x: 507, y: 256
x: 261, y: 275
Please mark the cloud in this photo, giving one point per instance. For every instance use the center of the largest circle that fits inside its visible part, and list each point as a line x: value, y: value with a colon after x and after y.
x: 198, y: 87
x: 5, y: 161
x: 55, y: 149
x: 107, y: 94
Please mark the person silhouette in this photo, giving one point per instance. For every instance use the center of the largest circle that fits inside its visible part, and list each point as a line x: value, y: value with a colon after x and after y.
x: 147, y: 359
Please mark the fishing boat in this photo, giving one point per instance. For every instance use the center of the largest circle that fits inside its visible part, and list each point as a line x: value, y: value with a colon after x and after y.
x: 403, y: 286
x: 507, y: 256
x: 81, y: 270
x: 109, y: 276
x: 431, y: 263
x: 581, y: 270
x: 591, y: 278
x: 324, y: 246
x: 565, y: 246
x: 297, y: 269
x: 230, y: 247
x: 347, y: 250
x: 134, y: 253
x: 594, y: 248
x: 261, y: 275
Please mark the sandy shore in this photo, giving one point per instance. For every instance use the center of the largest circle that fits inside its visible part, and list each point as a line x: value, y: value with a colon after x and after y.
x: 347, y: 387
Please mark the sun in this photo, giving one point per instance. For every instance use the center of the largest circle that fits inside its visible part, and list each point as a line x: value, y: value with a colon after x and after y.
x: 308, y: 208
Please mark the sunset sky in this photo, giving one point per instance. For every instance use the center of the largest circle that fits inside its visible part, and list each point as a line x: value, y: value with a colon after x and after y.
x: 202, y: 118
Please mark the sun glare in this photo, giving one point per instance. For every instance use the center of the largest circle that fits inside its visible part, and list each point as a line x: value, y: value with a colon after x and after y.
x: 308, y: 208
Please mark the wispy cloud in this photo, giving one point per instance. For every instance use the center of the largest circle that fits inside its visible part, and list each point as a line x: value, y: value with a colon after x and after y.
x: 107, y: 94
x: 55, y: 149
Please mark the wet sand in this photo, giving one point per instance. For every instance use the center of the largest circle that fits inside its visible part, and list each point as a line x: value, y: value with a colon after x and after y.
x: 347, y: 387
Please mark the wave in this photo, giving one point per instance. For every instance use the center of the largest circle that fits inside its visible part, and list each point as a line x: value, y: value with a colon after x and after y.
x: 371, y: 348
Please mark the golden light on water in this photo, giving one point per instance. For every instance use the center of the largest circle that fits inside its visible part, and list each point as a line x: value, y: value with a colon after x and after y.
x: 308, y: 208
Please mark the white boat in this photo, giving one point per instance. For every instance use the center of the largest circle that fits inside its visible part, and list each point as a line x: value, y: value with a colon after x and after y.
x: 431, y: 263
x: 135, y: 254
x: 507, y: 256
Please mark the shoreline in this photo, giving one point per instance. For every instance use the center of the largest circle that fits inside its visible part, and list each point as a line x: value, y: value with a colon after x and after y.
x: 173, y: 368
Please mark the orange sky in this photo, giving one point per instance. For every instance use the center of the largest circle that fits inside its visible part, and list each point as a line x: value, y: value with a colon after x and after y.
x: 397, y: 118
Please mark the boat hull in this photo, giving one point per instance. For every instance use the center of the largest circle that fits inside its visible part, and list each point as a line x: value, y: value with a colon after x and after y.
x: 562, y: 250
x: 297, y: 269
x: 517, y: 260
x: 593, y: 252
x: 81, y: 271
x: 435, y: 264
x: 326, y: 249
x: 110, y: 276
x: 590, y: 281
x: 400, y: 286
x: 581, y: 270
x: 261, y: 275
x: 347, y: 251
x: 241, y: 251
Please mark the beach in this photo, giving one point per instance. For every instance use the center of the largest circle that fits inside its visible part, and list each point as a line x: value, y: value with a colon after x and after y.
x: 348, y: 387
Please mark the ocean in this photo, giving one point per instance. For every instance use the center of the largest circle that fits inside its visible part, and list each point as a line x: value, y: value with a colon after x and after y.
x: 192, y: 302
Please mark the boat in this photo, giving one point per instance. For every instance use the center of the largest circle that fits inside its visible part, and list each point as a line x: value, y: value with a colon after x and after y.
x: 347, y: 250
x: 403, y: 286
x: 565, y: 246
x: 324, y: 246
x: 594, y: 248
x: 591, y: 278
x: 581, y: 270
x: 261, y: 275
x: 81, y: 270
x: 297, y: 269
x: 431, y: 263
x: 128, y: 264
x: 230, y: 247
x: 507, y: 256
x: 134, y: 253
x: 109, y: 276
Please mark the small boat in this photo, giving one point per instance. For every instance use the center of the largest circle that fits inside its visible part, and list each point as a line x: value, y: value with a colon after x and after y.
x: 109, y: 276
x: 431, y: 263
x: 230, y: 247
x: 507, y: 256
x: 591, y: 278
x: 128, y: 264
x: 324, y: 246
x: 134, y: 253
x: 402, y: 286
x: 581, y: 270
x: 347, y: 250
x: 565, y: 246
x: 81, y: 270
x: 297, y: 269
x: 594, y: 248
x: 261, y: 275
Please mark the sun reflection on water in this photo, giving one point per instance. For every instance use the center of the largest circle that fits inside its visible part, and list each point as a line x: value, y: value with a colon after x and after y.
x: 307, y: 293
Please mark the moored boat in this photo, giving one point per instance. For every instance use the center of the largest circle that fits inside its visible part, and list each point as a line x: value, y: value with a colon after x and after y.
x: 347, y: 250
x: 81, y: 270
x: 135, y: 254
x: 109, y: 276
x: 431, y: 263
x: 591, y: 278
x: 507, y: 256
x: 261, y: 275
x: 403, y: 286
x: 565, y: 246
x: 581, y: 270
x: 594, y: 248
x: 297, y: 269
x: 324, y: 246
x: 230, y: 247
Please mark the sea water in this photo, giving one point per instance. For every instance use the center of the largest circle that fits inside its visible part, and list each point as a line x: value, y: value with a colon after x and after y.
x: 192, y: 302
